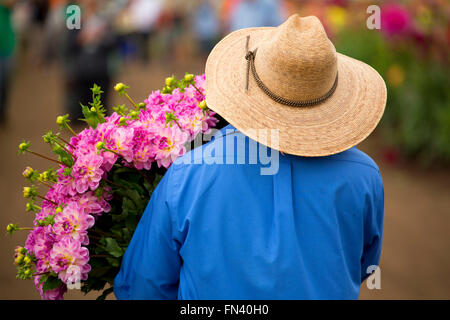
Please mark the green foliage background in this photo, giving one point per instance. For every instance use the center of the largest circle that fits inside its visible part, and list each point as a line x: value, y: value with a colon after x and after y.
x: 417, y: 115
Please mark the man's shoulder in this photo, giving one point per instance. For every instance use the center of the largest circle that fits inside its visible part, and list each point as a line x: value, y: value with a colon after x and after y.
x: 354, y: 155
x: 229, y: 146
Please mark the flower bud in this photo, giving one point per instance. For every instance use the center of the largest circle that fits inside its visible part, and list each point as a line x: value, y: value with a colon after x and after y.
x: 24, y: 146
x: 27, y: 192
x: 58, y: 210
x: 170, y: 81
x: 10, y: 228
x: 100, y: 145
x: 134, y: 114
x: 93, y: 109
x: 20, y: 250
x: 59, y: 120
x: 123, y: 121
x: 27, y: 260
x: 19, y: 258
x: 188, y: 77
x: 28, y: 172
x: 141, y: 105
x: 202, y: 105
x: 119, y: 87
x: 30, y: 206
x: 28, y: 272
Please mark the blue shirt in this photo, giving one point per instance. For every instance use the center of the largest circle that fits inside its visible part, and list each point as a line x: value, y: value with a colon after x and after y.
x: 256, y: 13
x: 226, y: 231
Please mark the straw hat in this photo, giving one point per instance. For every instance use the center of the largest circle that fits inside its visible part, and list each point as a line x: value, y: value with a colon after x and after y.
x: 290, y: 78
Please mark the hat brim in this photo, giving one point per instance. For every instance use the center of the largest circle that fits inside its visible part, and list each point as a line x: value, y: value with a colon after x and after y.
x: 337, y: 124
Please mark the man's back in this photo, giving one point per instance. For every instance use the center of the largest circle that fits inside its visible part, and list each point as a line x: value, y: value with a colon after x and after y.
x: 226, y: 231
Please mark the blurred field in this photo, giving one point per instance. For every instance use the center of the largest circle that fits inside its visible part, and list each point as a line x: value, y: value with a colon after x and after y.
x: 415, y: 256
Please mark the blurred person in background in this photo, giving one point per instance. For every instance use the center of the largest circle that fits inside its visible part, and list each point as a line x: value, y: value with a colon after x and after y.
x: 174, y: 21
x: 87, y: 56
x: 255, y: 13
x: 7, y: 45
x: 144, y: 15
x: 54, y: 29
x: 206, y: 25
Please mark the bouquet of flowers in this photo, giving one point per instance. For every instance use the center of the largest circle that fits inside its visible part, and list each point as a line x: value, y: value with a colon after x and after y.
x: 103, y: 181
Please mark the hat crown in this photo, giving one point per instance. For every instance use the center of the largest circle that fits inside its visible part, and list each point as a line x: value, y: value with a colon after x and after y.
x: 296, y: 60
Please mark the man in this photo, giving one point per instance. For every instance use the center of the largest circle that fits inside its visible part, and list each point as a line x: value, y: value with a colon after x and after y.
x: 7, y: 45
x: 305, y: 223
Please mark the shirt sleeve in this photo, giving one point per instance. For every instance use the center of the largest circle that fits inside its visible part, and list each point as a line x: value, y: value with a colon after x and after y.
x: 373, y: 229
x: 151, y: 265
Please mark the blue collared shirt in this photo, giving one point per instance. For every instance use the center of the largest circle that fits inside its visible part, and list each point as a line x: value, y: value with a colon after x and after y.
x: 227, y: 231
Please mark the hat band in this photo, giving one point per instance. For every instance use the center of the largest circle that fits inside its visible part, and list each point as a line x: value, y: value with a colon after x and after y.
x: 250, y: 57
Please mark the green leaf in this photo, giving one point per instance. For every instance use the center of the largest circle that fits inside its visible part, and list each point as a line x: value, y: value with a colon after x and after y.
x: 99, y: 271
x: 89, y: 117
x: 115, y: 262
x: 51, y: 283
x: 113, y: 248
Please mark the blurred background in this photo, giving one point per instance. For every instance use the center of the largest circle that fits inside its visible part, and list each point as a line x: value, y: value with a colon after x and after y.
x: 46, y: 69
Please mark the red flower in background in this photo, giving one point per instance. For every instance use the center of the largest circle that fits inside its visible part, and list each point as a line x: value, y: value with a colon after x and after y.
x: 395, y: 20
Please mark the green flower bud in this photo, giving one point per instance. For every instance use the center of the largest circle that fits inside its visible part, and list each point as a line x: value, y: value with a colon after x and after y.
x: 100, y: 145
x: 28, y: 172
x: 203, y: 105
x: 166, y: 90
x: 30, y: 206
x: 119, y: 87
x: 170, y: 81
x: 60, y: 120
x: 58, y: 210
x: 28, y: 272
x: 27, y: 260
x: 10, y: 228
x: 120, y: 109
x: 24, y: 147
x: 93, y: 109
x: 20, y: 250
x: 123, y: 121
x: 188, y: 77
x: 49, y: 137
x: 134, y: 115
x: 49, y: 175
x: 19, y: 258
x: 27, y: 192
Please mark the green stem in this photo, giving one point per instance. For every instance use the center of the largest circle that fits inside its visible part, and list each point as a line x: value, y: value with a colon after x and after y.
x: 66, y: 142
x: 47, y: 158
x: 131, y: 100
x: 116, y: 153
x: 114, y: 184
x: 25, y: 228
x: 198, y: 90
x: 44, y: 198
x: 65, y: 149
x: 176, y: 121
x: 70, y: 129
x: 45, y: 183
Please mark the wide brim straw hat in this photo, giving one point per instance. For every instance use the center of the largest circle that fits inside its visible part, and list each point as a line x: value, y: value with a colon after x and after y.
x: 291, y: 79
